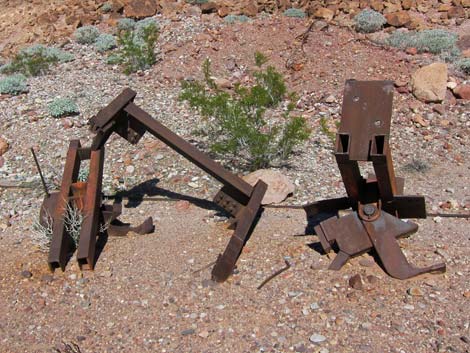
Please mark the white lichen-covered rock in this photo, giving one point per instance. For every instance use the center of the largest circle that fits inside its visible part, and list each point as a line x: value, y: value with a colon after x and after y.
x: 429, y: 83
x: 279, y: 186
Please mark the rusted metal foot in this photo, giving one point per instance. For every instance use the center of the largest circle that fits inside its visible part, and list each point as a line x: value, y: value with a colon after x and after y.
x: 246, y: 218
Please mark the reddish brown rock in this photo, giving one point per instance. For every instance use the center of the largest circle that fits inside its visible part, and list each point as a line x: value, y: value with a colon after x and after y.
x: 356, y: 282
x: 324, y: 13
x: 398, y: 19
x: 456, y: 12
x: 462, y: 91
x: 3, y: 146
x: 140, y: 8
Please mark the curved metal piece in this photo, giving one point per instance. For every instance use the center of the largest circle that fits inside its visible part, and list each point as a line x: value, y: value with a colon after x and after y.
x: 383, y: 233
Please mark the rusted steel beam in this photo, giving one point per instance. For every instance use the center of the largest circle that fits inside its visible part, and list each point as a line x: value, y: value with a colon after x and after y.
x: 61, y: 243
x: 91, y: 213
x: 187, y: 150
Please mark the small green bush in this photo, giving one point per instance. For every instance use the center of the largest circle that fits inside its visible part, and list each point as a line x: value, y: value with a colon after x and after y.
x: 86, y: 34
x: 136, y: 46
x: 236, y: 18
x: 435, y: 41
x: 293, y: 12
x: 105, y: 42
x: 196, y: 2
x: 236, y: 123
x: 13, y: 85
x: 107, y: 7
x: 463, y: 65
x: 60, y: 107
x: 36, y: 60
x: 369, y: 21
x: 125, y: 24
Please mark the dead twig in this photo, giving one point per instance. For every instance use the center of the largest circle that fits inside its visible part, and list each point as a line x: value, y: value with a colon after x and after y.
x: 204, y: 267
x: 277, y: 273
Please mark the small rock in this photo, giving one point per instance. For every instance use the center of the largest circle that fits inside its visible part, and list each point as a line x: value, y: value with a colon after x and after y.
x: 223, y: 83
x: 324, y: 13
x: 429, y: 83
x: 418, y: 119
x: 330, y: 99
x: 415, y: 291
x: 4, y: 146
x: 317, y: 338
x: 314, y: 306
x: 140, y: 8
x: 462, y: 91
x: 188, y: 332
x: 47, y: 278
x: 372, y: 279
x: 203, y: 334
x: 67, y: 123
x: 398, y: 19
x: 26, y: 274
x: 279, y: 186
x: 208, y: 283
x: 193, y: 185
x: 130, y: 169
x: 182, y: 205
x: 356, y: 282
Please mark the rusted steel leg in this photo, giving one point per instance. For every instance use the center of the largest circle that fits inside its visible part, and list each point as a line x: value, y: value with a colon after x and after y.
x: 245, y: 221
x: 383, y: 166
x: 90, y: 226
x: 383, y: 233
x: 61, y: 244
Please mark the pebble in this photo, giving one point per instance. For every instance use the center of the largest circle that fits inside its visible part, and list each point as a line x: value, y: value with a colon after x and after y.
x: 203, y: 334
x: 130, y: 169
x: 314, y: 306
x: 408, y: 307
x: 366, y: 262
x: 317, y: 338
x: 188, y: 332
x: 356, y: 282
x: 415, y: 292
x: 26, y: 274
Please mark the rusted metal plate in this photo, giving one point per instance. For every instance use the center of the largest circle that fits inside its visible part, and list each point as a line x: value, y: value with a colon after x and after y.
x: 245, y: 223
x: 366, y: 113
x: 61, y: 243
x: 90, y: 226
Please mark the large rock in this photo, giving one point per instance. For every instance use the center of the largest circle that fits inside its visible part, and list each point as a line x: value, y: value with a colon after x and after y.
x: 279, y: 186
x: 429, y: 83
x: 3, y: 146
x: 140, y: 8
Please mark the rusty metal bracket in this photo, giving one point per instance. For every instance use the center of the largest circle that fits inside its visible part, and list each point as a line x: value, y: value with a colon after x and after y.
x: 377, y: 202
x: 241, y: 200
x: 86, y: 199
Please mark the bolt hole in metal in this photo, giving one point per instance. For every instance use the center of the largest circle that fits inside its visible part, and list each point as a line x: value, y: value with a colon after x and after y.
x: 378, y: 123
x: 355, y: 99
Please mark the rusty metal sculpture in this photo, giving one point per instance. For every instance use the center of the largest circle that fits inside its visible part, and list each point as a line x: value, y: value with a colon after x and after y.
x: 241, y: 200
x: 377, y: 202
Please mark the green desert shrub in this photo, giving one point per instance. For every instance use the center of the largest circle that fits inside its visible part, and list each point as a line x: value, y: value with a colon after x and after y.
x: 60, y: 107
x: 107, y: 7
x: 369, y: 21
x: 14, y: 85
x: 293, y: 12
x: 463, y: 65
x: 435, y: 41
x: 236, y: 18
x: 235, y: 120
x: 125, y: 24
x: 136, y: 45
x: 86, y: 34
x: 36, y: 60
x: 105, y: 42
x: 196, y: 2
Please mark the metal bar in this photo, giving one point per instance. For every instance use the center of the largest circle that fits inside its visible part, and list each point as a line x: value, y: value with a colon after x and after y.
x: 46, y: 191
x: 245, y: 222
x: 383, y: 166
x: 61, y: 243
x: 187, y: 150
x: 90, y: 225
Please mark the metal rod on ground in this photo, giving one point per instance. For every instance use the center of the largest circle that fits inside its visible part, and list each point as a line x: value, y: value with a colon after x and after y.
x: 277, y: 273
x: 40, y: 173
